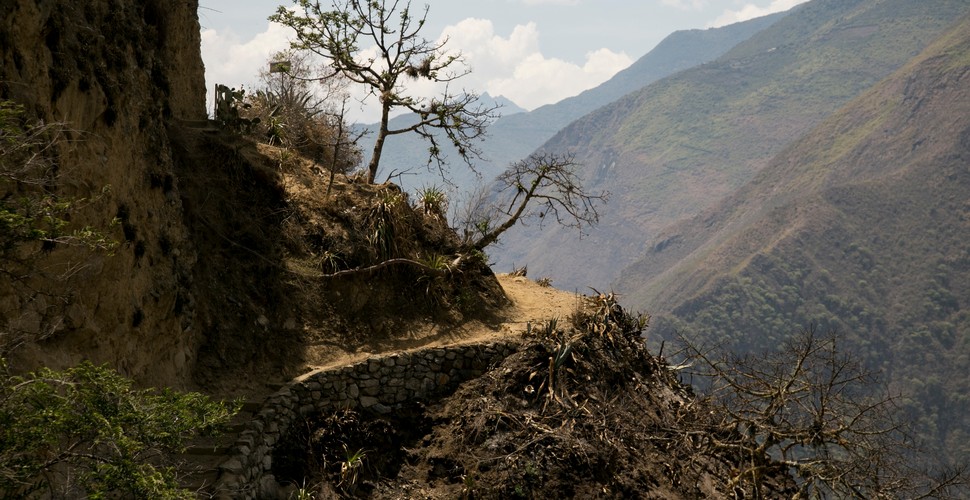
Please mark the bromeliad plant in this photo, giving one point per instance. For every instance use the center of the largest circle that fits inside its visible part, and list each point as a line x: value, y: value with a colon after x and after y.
x: 383, y: 224
x: 601, y: 314
x: 433, y: 201
x: 350, y: 469
x: 331, y: 262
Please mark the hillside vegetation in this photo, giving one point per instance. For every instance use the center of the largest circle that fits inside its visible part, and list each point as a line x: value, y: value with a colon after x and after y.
x: 225, y: 247
x: 861, y: 226
x: 675, y: 147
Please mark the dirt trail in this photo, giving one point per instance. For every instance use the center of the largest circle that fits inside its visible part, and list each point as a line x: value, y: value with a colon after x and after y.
x: 531, y: 303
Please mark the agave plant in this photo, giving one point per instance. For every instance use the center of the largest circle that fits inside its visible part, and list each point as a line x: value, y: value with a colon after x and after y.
x: 603, y: 316
x: 350, y: 469
x: 383, y: 223
x: 433, y: 200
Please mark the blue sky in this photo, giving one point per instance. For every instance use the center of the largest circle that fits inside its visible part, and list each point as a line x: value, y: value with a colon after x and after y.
x: 533, y: 52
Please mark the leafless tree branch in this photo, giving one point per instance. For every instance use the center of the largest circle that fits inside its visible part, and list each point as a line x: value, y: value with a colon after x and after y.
x: 815, y: 411
x: 545, y: 187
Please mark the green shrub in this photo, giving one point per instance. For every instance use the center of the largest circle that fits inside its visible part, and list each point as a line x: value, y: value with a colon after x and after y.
x: 86, y: 431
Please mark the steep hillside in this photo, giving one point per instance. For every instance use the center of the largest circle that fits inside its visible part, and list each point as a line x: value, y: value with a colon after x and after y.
x: 241, y: 265
x: 228, y: 268
x: 673, y: 148
x: 581, y: 410
x: 861, y: 226
x: 514, y: 136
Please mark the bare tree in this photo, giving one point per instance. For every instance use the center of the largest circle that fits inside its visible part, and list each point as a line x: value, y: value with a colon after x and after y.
x: 297, y: 108
x: 402, y: 53
x: 813, y: 411
x: 543, y: 186
x: 287, y: 83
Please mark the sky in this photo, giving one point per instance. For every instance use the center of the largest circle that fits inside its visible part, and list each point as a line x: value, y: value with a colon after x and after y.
x: 533, y: 52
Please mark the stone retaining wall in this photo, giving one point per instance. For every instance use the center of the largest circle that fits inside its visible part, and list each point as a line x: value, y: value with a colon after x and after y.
x: 379, y: 384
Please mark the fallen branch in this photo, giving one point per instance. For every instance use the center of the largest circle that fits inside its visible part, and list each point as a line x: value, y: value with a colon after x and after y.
x: 389, y: 263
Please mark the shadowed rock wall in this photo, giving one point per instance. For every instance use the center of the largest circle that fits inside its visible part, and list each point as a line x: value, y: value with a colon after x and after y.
x: 115, y: 73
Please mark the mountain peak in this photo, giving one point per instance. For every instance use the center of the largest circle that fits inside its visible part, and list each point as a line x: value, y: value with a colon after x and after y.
x: 506, y: 106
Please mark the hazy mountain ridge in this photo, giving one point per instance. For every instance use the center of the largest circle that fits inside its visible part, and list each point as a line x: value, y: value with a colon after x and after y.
x: 506, y: 106
x: 673, y: 148
x: 515, y: 135
x: 861, y: 226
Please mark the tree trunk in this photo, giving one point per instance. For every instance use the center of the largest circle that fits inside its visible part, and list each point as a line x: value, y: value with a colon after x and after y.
x: 492, y: 237
x: 375, y: 159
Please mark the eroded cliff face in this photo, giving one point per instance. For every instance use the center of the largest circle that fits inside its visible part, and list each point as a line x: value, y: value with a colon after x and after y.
x: 116, y: 72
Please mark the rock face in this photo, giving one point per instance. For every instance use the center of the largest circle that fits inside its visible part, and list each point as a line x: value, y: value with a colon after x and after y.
x: 115, y: 72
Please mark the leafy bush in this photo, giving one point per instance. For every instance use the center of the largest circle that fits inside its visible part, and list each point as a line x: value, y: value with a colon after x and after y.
x: 85, y: 430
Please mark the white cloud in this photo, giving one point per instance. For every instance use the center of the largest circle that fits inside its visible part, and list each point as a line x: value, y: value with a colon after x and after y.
x: 550, y: 2
x: 515, y: 67
x: 485, y: 50
x: 232, y: 62
x: 685, y: 4
x: 512, y: 66
x: 751, y: 11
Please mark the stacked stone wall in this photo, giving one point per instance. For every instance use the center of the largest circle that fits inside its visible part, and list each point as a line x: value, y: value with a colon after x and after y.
x: 379, y: 384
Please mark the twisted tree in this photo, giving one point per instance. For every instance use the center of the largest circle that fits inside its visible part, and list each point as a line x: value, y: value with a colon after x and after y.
x: 392, y: 32
x: 543, y: 186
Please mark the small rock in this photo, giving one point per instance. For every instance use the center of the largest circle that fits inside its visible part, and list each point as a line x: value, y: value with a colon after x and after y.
x: 232, y: 466
x: 268, y: 487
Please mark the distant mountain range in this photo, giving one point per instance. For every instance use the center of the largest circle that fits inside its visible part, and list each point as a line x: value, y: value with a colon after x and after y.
x: 674, y: 147
x: 861, y: 226
x: 516, y: 134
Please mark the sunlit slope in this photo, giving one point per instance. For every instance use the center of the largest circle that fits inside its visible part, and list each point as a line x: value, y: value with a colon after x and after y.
x: 675, y: 147
x: 862, y: 226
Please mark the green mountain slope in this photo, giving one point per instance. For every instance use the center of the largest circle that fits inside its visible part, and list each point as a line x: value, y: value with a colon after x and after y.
x: 862, y: 226
x: 513, y: 136
x: 675, y: 147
